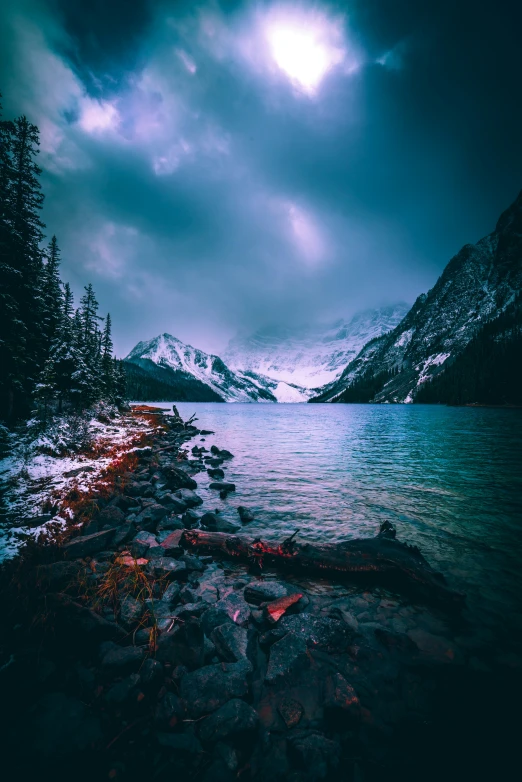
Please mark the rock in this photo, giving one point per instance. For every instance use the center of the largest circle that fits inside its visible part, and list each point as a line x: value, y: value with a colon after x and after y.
x: 214, y: 523
x: 331, y: 635
x: 208, y: 593
x: 149, y: 516
x: 170, y: 711
x: 60, y: 725
x: 227, y: 755
x: 171, y: 594
x: 222, y: 486
x: 151, y: 673
x: 175, y: 479
x: 172, y: 544
x: 291, y: 711
x: 189, y: 497
x: 208, y: 688
x: 166, y: 567
x: 258, y: 592
x: 131, y: 562
x: 131, y: 611
x: 278, y: 608
x: 233, y: 721
x: 121, y: 660
x: 87, y: 545
x: 214, y: 462
x: 231, y: 642
x: 111, y: 516
x: 124, y: 691
x: 288, y: 657
x: 169, y: 523
x: 214, y: 617
x: 80, y: 625
x: 224, y: 454
x: 314, y: 753
x: 245, y: 515
x: 341, y: 697
x: 58, y: 574
x: 399, y: 641
x: 172, y: 503
x: 216, y: 472
x: 190, y: 519
x: 183, y: 645
x: 141, y: 543
x: 186, y: 610
x: 340, y: 609
x: 123, y: 533
x: 124, y: 502
x: 193, y: 563
x: 236, y: 607
x: 214, y: 449
x: 180, y: 743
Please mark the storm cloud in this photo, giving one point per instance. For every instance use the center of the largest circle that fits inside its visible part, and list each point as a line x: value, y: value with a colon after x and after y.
x: 219, y: 166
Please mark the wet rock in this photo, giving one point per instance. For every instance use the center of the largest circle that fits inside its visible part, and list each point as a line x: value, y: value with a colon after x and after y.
x: 288, y: 657
x: 215, y: 523
x: 175, y: 479
x: 60, y: 725
x: 131, y: 611
x: 340, y: 609
x: 258, y: 592
x: 331, y: 635
x: 214, y: 617
x: 186, y: 610
x: 208, y: 593
x: 231, y: 642
x: 149, y: 516
x: 314, y: 753
x: 171, y: 594
x: 193, y: 563
x: 172, y: 503
x: 87, y: 545
x: 190, y: 519
x: 123, y: 534
x: 189, y: 497
x: 111, y: 517
x: 166, y: 567
x: 210, y: 687
x: 341, y: 697
x: 141, y: 543
x: 216, y: 472
x: 183, y: 645
x: 278, y: 608
x: 169, y: 523
x: 222, y: 486
x: 232, y: 722
x: 245, y: 514
x: 171, y: 545
x: 291, y: 711
x: 236, y: 607
x: 214, y: 449
x: 121, y: 660
x: 170, y: 711
x: 214, y: 462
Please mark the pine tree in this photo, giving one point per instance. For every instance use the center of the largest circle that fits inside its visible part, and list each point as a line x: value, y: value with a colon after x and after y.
x: 107, y: 363
x: 52, y: 296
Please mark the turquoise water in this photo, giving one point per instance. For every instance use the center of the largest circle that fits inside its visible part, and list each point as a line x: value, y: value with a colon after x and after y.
x: 450, y: 479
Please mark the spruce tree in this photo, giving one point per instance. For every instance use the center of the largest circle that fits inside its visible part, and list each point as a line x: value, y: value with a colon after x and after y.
x: 52, y: 296
x: 107, y: 363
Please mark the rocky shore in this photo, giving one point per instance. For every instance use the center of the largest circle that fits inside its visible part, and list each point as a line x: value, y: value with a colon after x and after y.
x: 129, y: 652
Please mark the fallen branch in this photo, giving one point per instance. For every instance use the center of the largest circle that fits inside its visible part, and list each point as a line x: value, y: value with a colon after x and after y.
x: 394, y: 563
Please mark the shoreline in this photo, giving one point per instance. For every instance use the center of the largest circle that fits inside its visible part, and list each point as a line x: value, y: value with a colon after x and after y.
x: 127, y: 652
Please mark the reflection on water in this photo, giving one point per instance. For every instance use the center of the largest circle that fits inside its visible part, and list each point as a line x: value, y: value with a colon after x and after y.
x: 450, y: 479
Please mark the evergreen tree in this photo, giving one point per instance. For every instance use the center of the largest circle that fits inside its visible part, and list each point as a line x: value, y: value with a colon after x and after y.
x: 107, y: 363
x: 52, y: 296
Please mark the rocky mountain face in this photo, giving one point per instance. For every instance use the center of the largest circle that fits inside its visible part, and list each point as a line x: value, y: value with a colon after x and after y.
x: 313, y: 356
x: 478, y: 284
x: 197, y: 376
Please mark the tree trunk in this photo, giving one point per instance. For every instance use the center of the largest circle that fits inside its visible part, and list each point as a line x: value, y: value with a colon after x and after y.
x: 387, y: 560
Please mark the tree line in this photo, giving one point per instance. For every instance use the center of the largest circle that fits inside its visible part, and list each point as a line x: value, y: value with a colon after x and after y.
x: 52, y: 355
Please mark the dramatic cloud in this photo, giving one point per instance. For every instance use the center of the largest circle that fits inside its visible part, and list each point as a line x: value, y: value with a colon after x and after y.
x: 217, y: 166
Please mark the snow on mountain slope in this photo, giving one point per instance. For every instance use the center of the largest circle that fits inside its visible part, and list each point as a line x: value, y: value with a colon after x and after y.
x: 168, y: 352
x: 476, y: 285
x: 310, y: 356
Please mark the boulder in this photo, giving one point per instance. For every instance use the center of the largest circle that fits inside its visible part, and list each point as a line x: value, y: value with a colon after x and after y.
x: 111, y: 517
x: 172, y: 503
x: 222, y: 486
x: 183, y: 645
x: 236, y: 607
x: 330, y: 635
x: 121, y: 660
x: 149, y: 516
x: 232, y: 722
x: 131, y: 611
x: 166, y: 567
x: 189, y: 497
x: 215, y: 472
x: 231, y: 642
x: 210, y: 687
x: 257, y: 592
x: 87, y: 545
x: 190, y: 519
x: 288, y: 657
x: 215, y: 523
x: 175, y: 478
x: 245, y: 515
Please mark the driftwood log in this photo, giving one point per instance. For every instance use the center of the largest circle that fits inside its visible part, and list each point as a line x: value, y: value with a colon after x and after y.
x: 391, y: 562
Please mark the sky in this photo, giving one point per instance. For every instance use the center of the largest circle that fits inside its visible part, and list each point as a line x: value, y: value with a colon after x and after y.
x: 218, y: 167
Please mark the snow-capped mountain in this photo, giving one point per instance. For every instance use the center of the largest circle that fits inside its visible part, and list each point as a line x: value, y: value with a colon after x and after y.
x: 476, y: 285
x: 310, y: 356
x: 187, y: 364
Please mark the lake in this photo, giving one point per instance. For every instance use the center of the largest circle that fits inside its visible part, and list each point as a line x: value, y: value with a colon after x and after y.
x: 450, y: 479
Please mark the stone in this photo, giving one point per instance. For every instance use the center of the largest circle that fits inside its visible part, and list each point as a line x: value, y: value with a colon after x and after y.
x: 341, y: 697
x: 189, y: 498
x: 245, y: 515
x: 214, y: 617
x: 222, y: 486
x: 215, y: 523
x: 149, y: 516
x: 124, y: 691
x: 111, y: 517
x: 193, y: 563
x: 58, y: 574
x: 208, y: 593
x: 170, y: 711
x: 87, y: 545
x: 172, y: 503
x: 151, y: 673
x: 180, y: 743
x: 172, y: 544
x: 236, y: 607
x: 187, y: 610
x: 190, y: 519
x: 171, y: 594
x: 216, y: 472
x: 123, y: 533
x: 330, y: 635
x: 258, y: 592
x: 141, y: 543
x: 291, y: 711
x: 131, y: 611
x: 278, y: 608
x: 231, y: 642
x: 314, y: 753
x: 124, y: 502
x: 80, y: 625
x: 288, y: 657
x: 233, y: 721
x: 166, y: 567
x: 176, y: 478
x: 59, y: 725
x: 121, y: 659
x: 210, y: 687
x: 183, y: 645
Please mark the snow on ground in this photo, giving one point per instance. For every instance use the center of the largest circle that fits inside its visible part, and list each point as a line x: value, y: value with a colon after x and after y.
x: 34, y: 471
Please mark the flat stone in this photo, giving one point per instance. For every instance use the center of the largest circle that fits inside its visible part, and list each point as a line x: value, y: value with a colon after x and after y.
x: 236, y: 607
x: 341, y: 696
x: 215, y: 523
x: 87, y: 545
x: 258, y: 592
x: 288, y: 657
x: 230, y: 722
x: 231, y: 642
x: 331, y: 635
x: 210, y: 687
x: 278, y: 608
x: 222, y: 486
x: 291, y: 711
